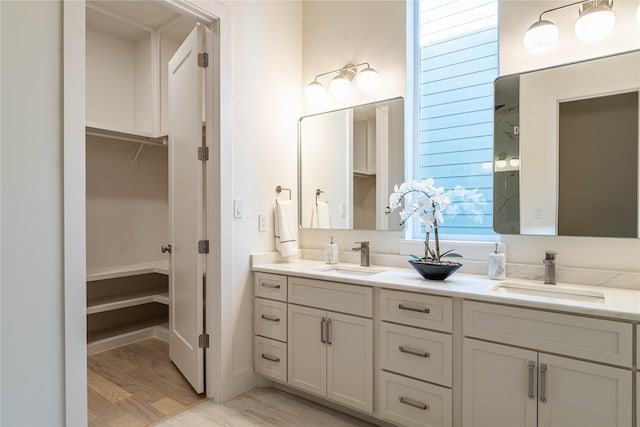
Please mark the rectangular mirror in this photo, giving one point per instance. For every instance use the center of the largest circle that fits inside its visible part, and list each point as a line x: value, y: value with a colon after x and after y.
x: 348, y: 162
x: 566, y: 150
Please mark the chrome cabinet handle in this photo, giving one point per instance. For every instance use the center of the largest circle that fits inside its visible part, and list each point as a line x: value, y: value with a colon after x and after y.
x: 532, y: 367
x: 329, y: 331
x: 270, y: 358
x: 416, y: 309
x: 270, y: 285
x: 270, y: 318
x: 414, y: 403
x: 543, y: 383
x: 323, y: 337
x: 408, y: 350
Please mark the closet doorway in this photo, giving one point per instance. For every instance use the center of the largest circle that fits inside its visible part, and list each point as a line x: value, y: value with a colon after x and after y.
x: 152, y: 100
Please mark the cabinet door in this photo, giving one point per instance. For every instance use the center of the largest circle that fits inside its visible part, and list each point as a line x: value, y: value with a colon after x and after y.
x: 186, y: 219
x: 638, y: 398
x: 499, y: 385
x: 582, y: 394
x: 350, y: 361
x: 307, y: 356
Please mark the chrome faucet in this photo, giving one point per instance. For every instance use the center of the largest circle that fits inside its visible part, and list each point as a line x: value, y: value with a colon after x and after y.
x: 550, y: 267
x: 364, y: 253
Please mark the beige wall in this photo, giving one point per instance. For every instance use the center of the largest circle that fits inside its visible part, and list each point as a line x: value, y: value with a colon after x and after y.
x: 31, y: 198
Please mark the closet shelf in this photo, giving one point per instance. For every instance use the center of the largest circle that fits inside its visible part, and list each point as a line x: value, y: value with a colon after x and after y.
x: 160, y: 267
x: 94, y: 129
x: 132, y: 327
x: 121, y: 301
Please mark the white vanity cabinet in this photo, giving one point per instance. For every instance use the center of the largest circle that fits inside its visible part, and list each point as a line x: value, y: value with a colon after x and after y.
x: 416, y: 359
x: 270, y: 326
x: 507, y: 386
x: 330, y: 353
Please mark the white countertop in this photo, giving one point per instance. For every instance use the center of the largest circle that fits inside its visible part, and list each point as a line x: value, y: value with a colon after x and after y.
x: 621, y: 304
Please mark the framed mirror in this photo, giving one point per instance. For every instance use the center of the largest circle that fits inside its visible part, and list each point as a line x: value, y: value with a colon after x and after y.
x: 566, y: 150
x: 348, y: 162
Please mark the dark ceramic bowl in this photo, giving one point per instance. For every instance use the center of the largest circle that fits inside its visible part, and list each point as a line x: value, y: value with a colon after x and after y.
x: 434, y: 271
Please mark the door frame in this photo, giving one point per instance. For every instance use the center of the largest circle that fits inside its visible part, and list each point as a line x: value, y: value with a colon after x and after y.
x: 218, y: 288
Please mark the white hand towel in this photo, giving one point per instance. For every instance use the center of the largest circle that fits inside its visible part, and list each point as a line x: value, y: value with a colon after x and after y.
x: 320, y: 215
x: 285, y: 228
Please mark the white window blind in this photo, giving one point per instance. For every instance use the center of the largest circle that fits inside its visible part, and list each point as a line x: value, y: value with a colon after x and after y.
x: 457, y: 51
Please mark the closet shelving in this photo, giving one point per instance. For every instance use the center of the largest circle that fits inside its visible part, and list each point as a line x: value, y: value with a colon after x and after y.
x: 129, y: 45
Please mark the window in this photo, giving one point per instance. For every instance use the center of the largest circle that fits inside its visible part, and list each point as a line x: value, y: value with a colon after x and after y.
x: 456, y: 62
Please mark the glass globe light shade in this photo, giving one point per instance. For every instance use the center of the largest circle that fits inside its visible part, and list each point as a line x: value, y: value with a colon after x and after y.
x: 368, y: 79
x: 514, y: 162
x: 501, y: 163
x: 314, y: 92
x: 541, y: 36
x: 595, y: 24
x: 340, y: 86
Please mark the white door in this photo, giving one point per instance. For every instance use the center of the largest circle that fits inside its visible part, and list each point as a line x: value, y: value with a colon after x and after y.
x: 573, y: 393
x: 350, y: 361
x: 307, y: 355
x: 498, y: 385
x: 186, y: 212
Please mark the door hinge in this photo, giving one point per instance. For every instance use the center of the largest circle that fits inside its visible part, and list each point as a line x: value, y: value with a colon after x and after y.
x: 203, y: 60
x: 203, y: 340
x: 203, y: 153
x: 203, y: 246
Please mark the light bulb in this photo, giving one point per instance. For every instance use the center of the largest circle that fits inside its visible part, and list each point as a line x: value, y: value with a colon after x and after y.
x: 541, y: 36
x: 314, y: 92
x: 501, y: 163
x: 514, y: 162
x: 368, y: 79
x: 595, y: 24
x: 340, y: 86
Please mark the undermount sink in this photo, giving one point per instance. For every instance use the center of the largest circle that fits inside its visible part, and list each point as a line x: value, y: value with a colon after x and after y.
x: 550, y: 291
x: 355, y: 271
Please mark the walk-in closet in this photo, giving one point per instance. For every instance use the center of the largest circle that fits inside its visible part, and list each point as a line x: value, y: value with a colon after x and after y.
x: 145, y: 162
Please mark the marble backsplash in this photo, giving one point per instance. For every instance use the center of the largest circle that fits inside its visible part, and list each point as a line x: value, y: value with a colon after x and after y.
x: 580, y: 276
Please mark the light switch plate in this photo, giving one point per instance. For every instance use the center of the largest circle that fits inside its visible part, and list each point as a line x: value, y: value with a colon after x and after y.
x: 262, y: 222
x: 238, y: 208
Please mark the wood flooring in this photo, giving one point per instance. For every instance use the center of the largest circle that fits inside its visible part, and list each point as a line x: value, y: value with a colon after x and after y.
x: 136, y: 385
x: 262, y: 407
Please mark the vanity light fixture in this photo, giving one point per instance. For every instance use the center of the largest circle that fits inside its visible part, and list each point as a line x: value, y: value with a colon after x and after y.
x: 502, y: 161
x: 595, y: 22
x: 367, y: 79
x: 514, y: 162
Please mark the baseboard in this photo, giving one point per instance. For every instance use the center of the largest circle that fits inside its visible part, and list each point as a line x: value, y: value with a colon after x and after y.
x: 116, y: 341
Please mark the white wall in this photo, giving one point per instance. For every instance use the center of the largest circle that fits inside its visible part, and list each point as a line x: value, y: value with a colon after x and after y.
x: 32, y: 313
x: 266, y: 39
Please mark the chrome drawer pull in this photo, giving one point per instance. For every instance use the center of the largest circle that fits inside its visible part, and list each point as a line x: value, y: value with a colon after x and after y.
x: 270, y: 318
x: 532, y: 367
x: 543, y: 383
x: 414, y: 403
x: 408, y: 350
x: 323, y: 336
x: 329, y: 331
x: 416, y: 309
x: 269, y: 285
x: 270, y: 358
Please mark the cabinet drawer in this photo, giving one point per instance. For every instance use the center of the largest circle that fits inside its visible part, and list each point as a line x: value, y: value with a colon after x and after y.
x: 272, y: 286
x: 414, y: 403
x: 601, y: 340
x: 270, y: 358
x: 270, y: 319
x: 416, y: 353
x: 424, y: 311
x: 340, y: 297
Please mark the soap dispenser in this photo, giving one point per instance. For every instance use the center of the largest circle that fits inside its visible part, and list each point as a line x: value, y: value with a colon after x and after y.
x: 497, y: 265
x: 331, y: 252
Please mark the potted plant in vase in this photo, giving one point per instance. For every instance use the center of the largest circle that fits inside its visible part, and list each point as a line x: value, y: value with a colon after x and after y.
x: 430, y: 204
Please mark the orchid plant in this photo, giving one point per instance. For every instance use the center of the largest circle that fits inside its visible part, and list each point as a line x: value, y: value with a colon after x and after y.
x: 430, y: 205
